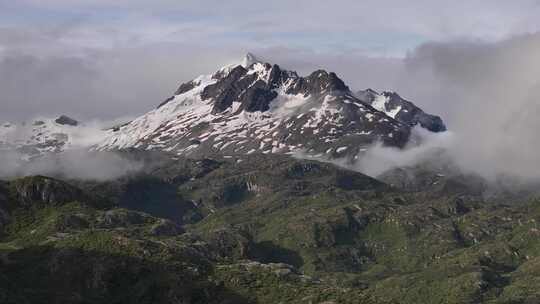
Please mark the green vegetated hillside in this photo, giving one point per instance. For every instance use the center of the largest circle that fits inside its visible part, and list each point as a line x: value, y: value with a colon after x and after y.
x: 266, y: 229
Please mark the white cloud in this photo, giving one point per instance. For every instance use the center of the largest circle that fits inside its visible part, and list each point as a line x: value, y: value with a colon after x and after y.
x: 77, y: 164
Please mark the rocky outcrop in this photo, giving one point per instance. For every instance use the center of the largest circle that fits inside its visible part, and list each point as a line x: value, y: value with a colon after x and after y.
x: 256, y: 90
x: 227, y: 90
x: 402, y: 110
x: 45, y: 190
x: 228, y: 243
x: 318, y: 82
x: 65, y: 120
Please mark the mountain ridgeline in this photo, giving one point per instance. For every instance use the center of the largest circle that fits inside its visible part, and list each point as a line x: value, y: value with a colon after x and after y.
x: 260, y: 107
x: 252, y: 107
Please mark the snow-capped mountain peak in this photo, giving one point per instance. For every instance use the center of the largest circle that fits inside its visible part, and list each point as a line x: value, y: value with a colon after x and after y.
x: 260, y: 107
x: 249, y: 107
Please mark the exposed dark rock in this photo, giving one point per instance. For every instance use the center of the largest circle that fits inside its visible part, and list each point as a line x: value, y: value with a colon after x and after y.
x: 409, y: 114
x: 255, y: 94
x: 65, y: 120
x: 225, y: 91
x: 321, y: 80
x: 185, y: 87
x: 414, y: 115
x: 258, y: 98
x: 159, y: 106
x: 317, y: 83
x: 46, y: 190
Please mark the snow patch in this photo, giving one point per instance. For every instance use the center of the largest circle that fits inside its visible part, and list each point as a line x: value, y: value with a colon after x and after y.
x: 341, y: 149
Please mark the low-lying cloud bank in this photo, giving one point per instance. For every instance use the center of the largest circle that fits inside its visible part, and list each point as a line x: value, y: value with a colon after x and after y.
x: 380, y: 159
x: 72, y: 164
x: 489, y: 96
x: 19, y: 154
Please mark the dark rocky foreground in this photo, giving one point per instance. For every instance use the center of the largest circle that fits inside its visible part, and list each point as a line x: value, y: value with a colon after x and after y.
x: 268, y: 229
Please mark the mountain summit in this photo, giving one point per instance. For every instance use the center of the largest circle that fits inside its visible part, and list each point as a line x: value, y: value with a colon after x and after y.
x: 249, y: 60
x: 260, y: 107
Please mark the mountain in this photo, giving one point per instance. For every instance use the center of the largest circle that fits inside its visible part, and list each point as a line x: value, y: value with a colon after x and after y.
x: 42, y: 136
x: 401, y: 110
x: 258, y: 107
x: 218, y: 212
x: 251, y: 107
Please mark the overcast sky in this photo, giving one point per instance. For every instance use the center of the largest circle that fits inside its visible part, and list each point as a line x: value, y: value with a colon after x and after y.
x: 104, y: 59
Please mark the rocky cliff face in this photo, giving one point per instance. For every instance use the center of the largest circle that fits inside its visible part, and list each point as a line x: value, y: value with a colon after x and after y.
x: 44, y: 190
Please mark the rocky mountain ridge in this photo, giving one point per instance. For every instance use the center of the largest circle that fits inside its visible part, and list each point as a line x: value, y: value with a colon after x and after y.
x: 401, y: 110
x: 252, y: 107
x: 258, y: 107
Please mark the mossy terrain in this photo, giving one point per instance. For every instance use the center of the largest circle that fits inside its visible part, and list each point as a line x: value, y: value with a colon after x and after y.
x: 268, y: 229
